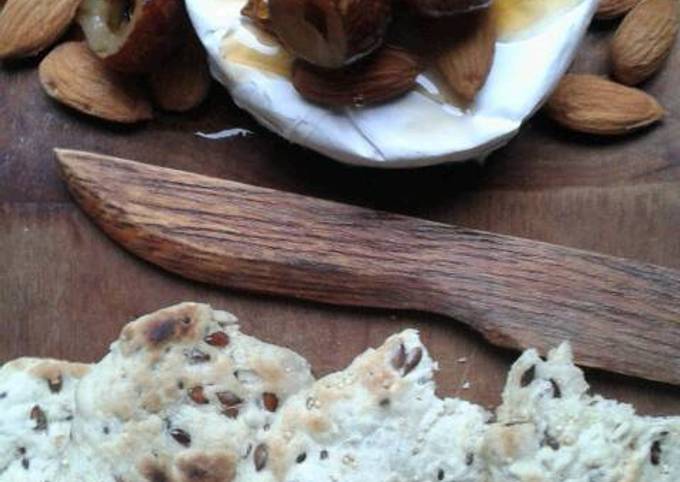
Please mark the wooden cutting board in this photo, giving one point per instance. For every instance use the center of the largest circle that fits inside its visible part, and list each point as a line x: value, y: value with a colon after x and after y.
x: 66, y: 290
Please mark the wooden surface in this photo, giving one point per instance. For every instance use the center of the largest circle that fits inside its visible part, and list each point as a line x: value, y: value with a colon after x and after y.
x: 619, y: 315
x: 66, y: 289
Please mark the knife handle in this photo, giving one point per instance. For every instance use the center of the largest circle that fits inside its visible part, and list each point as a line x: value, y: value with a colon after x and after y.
x: 619, y: 315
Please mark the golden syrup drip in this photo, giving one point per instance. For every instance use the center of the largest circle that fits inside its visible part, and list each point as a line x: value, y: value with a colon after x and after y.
x: 279, y: 63
x: 516, y: 16
x: 513, y: 17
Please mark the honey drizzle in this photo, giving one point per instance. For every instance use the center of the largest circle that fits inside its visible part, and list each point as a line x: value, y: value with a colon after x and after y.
x: 516, y: 16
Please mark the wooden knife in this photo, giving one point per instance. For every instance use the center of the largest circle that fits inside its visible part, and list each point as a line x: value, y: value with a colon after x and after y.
x: 619, y: 315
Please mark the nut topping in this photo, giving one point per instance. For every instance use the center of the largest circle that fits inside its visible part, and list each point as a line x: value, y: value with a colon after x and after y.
x: 387, y: 74
x: 330, y: 33
x: 132, y: 35
x: 440, y: 8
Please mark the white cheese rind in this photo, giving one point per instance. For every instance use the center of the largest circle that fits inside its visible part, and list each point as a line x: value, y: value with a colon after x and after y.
x: 415, y: 130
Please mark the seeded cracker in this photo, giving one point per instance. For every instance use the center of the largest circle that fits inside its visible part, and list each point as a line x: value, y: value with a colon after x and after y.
x: 550, y: 429
x: 183, y: 396
x: 36, y: 413
x: 183, y: 393
x: 378, y: 420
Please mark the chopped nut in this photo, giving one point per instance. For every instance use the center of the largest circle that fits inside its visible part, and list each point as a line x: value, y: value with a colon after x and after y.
x: 332, y: 33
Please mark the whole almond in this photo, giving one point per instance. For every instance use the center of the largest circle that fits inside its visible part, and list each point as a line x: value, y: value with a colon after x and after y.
x: 644, y: 40
x: 29, y: 26
x: 465, y: 48
x: 595, y: 105
x: 75, y: 76
x: 183, y: 81
x: 609, y: 9
x: 386, y: 74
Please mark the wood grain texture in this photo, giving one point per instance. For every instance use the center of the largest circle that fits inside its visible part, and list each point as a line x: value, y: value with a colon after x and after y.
x: 619, y: 315
x: 66, y: 289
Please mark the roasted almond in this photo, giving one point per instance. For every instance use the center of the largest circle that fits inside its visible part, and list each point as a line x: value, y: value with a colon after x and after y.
x: 465, y: 46
x: 133, y: 36
x: 439, y: 8
x: 183, y: 81
x: 29, y: 26
x: 591, y: 104
x: 387, y: 74
x: 74, y: 76
x: 644, y: 39
x: 330, y: 33
x: 608, y: 9
x: 258, y: 13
